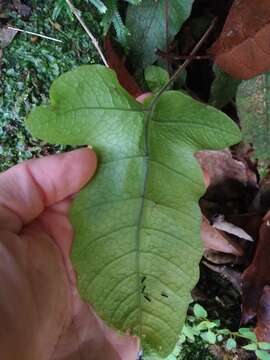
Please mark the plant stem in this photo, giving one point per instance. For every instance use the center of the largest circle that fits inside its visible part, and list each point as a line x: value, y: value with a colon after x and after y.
x: 92, y: 37
x: 183, y: 66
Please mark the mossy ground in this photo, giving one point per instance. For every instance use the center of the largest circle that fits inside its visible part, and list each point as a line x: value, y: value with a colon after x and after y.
x: 28, y: 67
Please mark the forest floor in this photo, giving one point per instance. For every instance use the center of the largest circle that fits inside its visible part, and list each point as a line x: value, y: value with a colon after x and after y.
x: 28, y: 66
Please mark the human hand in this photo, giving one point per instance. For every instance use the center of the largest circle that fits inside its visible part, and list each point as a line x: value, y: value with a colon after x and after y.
x: 42, y: 315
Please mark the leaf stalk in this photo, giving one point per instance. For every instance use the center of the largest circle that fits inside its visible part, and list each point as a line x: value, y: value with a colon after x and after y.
x: 183, y: 66
x: 94, y: 41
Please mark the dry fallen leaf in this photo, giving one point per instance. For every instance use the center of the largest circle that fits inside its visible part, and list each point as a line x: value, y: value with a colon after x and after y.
x: 216, y: 240
x: 257, y: 274
x: 221, y: 224
x: 262, y: 329
x: 23, y: 10
x: 218, y: 166
x: 249, y: 222
x: 243, y: 48
x: 6, y: 36
x: 219, y: 258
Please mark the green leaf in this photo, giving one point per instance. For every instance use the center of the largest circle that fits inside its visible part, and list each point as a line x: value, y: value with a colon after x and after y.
x: 191, y: 318
x: 216, y: 322
x: 182, y: 339
x: 219, y: 338
x: 209, y: 336
x: 246, y: 332
x: 188, y: 331
x: 155, y: 77
x: 250, y: 347
x: 230, y: 344
x: 223, y: 89
x: 137, y: 224
x: 223, y: 331
x: 264, y: 345
x: 134, y: 2
x: 253, y: 106
x: 146, y: 24
x: 263, y: 355
x: 202, y: 325
x: 199, y: 311
x: 206, y: 325
x: 101, y: 7
x: 174, y: 355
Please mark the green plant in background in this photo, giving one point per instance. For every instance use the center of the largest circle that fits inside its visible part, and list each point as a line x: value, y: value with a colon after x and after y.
x: 147, y: 24
x: 136, y: 274
x: 253, y: 105
x: 28, y: 68
x: 110, y: 15
x: 199, y: 326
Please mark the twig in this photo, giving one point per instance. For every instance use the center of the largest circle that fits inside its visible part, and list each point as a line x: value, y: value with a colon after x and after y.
x: 183, y: 66
x: 169, y: 56
x: 192, y: 57
x: 35, y: 34
x: 93, y: 39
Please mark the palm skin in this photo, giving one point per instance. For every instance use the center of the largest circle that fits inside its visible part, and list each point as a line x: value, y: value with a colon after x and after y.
x: 42, y: 315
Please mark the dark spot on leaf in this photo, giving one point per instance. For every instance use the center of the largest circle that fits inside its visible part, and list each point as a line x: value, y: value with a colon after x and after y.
x: 147, y: 298
x: 164, y: 294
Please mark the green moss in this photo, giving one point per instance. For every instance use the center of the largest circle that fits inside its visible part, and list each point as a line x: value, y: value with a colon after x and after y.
x: 28, y: 68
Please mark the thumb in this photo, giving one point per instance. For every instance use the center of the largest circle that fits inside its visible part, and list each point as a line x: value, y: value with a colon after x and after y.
x: 28, y: 188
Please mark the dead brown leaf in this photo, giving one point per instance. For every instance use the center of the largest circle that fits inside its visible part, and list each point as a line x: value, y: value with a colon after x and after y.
x: 219, y: 258
x: 23, y: 10
x: 216, y: 240
x: 243, y: 48
x: 6, y: 36
x: 218, y: 166
x: 262, y: 329
x: 250, y: 223
x: 257, y: 274
x: 221, y: 224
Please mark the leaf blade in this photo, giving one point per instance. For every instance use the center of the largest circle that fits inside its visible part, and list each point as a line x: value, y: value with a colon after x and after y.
x: 253, y: 106
x: 146, y: 23
x: 125, y: 267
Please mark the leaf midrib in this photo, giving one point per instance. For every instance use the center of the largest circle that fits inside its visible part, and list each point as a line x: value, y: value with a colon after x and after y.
x: 141, y: 211
x: 101, y: 109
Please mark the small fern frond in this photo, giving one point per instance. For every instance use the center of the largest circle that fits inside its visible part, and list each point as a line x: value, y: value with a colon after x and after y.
x: 134, y: 2
x: 99, y: 5
x: 120, y: 29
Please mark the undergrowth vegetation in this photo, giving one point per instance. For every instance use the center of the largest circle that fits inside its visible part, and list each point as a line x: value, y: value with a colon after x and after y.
x: 139, y: 244
x: 29, y: 65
